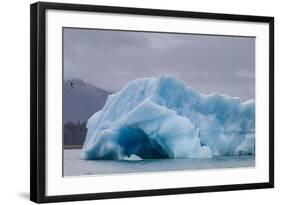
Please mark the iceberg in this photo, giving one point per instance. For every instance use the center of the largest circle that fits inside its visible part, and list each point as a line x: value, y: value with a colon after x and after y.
x: 164, y: 118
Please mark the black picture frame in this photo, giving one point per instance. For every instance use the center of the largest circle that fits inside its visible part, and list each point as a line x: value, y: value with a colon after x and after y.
x: 38, y: 101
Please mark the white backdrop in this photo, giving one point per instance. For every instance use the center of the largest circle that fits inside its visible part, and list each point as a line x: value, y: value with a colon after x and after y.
x: 14, y: 102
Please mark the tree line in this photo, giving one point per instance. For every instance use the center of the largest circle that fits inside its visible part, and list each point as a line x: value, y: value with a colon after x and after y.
x: 74, y: 133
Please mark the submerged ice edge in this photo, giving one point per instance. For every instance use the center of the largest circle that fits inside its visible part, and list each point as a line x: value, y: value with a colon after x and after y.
x: 164, y: 118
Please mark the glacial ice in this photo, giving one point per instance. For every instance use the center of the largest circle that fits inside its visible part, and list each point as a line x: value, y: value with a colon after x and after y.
x: 164, y: 118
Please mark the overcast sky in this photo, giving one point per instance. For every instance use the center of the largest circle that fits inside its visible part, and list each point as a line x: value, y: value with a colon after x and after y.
x: 109, y: 59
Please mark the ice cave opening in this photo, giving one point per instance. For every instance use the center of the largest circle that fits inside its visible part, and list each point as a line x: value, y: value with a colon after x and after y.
x: 134, y: 141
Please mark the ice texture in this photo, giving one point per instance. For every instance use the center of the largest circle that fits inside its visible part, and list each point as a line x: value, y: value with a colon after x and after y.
x: 164, y: 118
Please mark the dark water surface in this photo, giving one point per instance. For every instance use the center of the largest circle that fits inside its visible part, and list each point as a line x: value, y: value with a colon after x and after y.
x: 74, y: 166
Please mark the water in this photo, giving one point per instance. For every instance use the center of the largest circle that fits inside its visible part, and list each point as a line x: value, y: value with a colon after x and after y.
x: 74, y: 166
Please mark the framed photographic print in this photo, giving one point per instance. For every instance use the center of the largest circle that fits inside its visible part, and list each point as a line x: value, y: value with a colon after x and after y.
x: 129, y: 102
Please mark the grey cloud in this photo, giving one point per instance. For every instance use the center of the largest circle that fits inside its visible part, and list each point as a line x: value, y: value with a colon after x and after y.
x: 109, y: 59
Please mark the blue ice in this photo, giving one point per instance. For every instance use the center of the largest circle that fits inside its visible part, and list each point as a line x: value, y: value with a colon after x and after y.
x: 164, y: 118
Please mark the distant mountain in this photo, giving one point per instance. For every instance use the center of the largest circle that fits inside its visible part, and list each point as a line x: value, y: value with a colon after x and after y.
x: 81, y: 100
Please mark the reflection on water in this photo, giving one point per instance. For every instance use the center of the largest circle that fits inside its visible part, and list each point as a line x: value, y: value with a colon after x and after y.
x: 74, y: 166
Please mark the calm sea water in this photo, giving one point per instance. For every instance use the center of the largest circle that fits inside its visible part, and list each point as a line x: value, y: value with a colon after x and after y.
x: 74, y: 166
